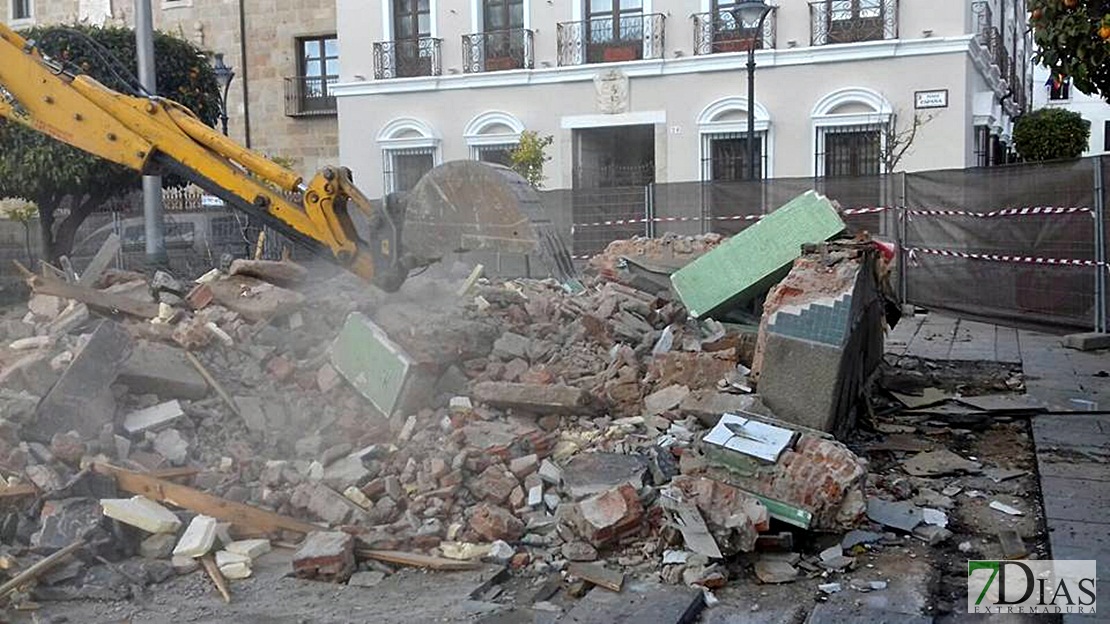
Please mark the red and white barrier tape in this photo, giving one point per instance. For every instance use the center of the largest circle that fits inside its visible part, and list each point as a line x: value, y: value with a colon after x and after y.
x: 913, y: 251
x: 1006, y: 212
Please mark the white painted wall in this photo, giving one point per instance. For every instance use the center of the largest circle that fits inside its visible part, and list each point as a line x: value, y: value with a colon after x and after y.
x: 1093, y: 108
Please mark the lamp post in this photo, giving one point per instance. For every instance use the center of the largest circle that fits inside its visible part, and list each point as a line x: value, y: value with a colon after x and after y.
x: 224, y: 75
x: 751, y: 11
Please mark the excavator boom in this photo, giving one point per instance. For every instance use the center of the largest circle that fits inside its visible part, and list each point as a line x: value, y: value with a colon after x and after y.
x: 153, y: 135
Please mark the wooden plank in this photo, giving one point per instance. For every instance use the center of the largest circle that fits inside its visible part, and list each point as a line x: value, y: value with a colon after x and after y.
x: 209, y: 563
x: 598, y: 575
x: 192, y: 499
x: 104, y: 256
x: 195, y: 361
x: 40, y: 568
x: 100, y: 300
x: 415, y: 560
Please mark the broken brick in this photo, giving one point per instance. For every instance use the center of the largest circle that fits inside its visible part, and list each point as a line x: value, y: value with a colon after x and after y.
x: 325, y: 556
x: 734, y: 517
x: 495, y: 523
x: 540, y: 399
x: 495, y: 485
x: 610, y: 516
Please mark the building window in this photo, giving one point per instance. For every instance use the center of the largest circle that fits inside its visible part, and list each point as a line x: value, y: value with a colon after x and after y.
x: 1106, y: 136
x: 21, y: 9
x: 848, y: 21
x: 982, y: 146
x: 318, y: 71
x: 616, y: 30
x: 499, y: 15
x: 412, y: 19
x: 727, y: 156
x: 1059, y: 88
x: 405, y: 167
x: 852, y: 151
x: 495, y: 154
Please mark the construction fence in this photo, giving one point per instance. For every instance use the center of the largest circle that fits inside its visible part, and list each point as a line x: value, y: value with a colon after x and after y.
x: 1021, y: 244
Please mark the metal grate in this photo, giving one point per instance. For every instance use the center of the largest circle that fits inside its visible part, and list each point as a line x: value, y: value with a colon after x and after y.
x: 717, y: 32
x: 611, y: 39
x: 849, y: 21
x: 407, y: 58
x: 405, y: 167
x: 498, y: 51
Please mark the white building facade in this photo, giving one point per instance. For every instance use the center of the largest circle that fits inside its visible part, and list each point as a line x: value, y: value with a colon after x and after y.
x: 641, y: 91
x: 1058, y: 92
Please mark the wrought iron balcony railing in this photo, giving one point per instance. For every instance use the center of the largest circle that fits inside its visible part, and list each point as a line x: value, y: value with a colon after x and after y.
x: 850, y: 21
x: 407, y: 58
x: 309, y: 95
x: 716, y: 32
x: 610, y: 40
x: 498, y: 50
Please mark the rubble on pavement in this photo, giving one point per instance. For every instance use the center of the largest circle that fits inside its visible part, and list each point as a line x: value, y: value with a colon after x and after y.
x: 518, y: 423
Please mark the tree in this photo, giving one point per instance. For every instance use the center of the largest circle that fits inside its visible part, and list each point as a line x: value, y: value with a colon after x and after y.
x: 1073, y: 39
x: 898, y: 141
x: 53, y: 175
x: 1051, y: 134
x: 529, y: 156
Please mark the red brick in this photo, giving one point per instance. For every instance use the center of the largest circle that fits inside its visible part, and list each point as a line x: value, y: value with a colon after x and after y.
x: 280, y: 368
x: 326, y: 556
x: 495, y: 523
x: 610, y: 516
x: 495, y: 484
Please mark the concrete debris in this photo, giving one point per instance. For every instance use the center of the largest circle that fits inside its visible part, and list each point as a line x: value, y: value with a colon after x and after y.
x: 1091, y: 341
x: 534, y: 398
x: 198, y: 538
x: 1006, y: 509
x: 610, y: 516
x: 153, y: 417
x: 155, y: 368
x: 325, y: 556
x: 734, y: 517
x: 592, y: 473
x: 774, y: 572
x: 903, y: 515
x: 283, y: 273
x: 141, y: 512
x: 940, y: 462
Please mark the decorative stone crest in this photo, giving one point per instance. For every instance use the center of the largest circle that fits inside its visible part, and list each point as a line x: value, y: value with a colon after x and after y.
x: 612, y: 92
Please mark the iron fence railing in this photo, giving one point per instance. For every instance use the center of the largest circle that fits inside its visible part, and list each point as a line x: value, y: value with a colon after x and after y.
x: 611, y: 39
x: 309, y: 95
x: 716, y: 32
x: 498, y: 50
x: 851, y: 21
x: 407, y: 58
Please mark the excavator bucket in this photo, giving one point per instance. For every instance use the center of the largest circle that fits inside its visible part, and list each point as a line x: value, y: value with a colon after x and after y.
x: 467, y: 205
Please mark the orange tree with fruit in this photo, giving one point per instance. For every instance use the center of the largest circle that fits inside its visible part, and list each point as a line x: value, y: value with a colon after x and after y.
x: 1073, y: 39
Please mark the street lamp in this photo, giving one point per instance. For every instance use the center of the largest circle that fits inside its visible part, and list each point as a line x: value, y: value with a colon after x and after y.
x: 751, y: 11
x: 224, y: 75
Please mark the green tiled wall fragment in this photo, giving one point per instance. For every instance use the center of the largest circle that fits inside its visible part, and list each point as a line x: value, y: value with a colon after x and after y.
x: 749, y: 263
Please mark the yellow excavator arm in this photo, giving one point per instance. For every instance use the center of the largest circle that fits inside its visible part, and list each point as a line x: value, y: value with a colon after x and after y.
x: 153, y: 135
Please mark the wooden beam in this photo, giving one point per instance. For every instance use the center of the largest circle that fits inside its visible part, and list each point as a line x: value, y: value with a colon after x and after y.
x: 217, y: 577
x: 193, y: 499
x: 39, y: 568
x: 414, y: 560
x: 98, y: 299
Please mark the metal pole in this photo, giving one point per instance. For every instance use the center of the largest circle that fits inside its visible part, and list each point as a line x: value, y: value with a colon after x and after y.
x: 152, y: 185
x: 1100, y: 248
x: 751, y: 110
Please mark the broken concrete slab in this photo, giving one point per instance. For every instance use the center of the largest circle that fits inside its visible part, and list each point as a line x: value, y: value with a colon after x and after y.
x: 597, y: 574
x: 708, y: 405
x: 772, y: 571
x: 153, y: 417
x: 855, y: 537
x: 169, y: 444
x: 198, y: 539
x: 901, y: 515
x: 1090, y: 341
x: 282, y: 273
x: 587, y: 474
x: 155, y: 368
x: 535, y: 398
x: 378, y: 368
x: 734, y: 518
x: 141, y: 512
x: 746, y: 265
x: 638, y: 602
x: 254, y: 300
x: 939, y: 462
x: 81, y: 399
x: 666, y: 399
x: 326, y: 556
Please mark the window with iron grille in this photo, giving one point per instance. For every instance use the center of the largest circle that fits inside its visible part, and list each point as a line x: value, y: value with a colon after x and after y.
x: 318, y: 68
x: 498, y: 154
x: 982, y: 146
x: 615, y: 20
x: 412, y: 19
x: 21, y: 9
x: 725, y: 156
x: 851, y: 151
x: 729, y: 35
x: 405, y: 167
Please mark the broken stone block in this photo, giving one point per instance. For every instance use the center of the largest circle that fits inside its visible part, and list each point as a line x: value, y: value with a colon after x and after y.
x: 494, y: 485
x: 184, y: 565
x: 141, y: 512
x: 666, y: 399
x: 708, y: 405
x: 775, y: 571
x: 821, y: 334
x: 158, y: 546
x: 251, y: 548
x: 155, y: 368
x: 81, y: 399
x: 45, y: 306
x: 901, y: 515
x: 521, y: 467
x: 328, y: 505
x: 939, y: 462
x: 579, y: 551
x: 510, y: 346
x: 551, y: 473
x: 282, y: 273
x: 535, y: 495
x: 816, y: 485
x: 64, y: 521
x: 325, y: 556
x: 377, y: 367
x: 534, y: 398
x: 172, y: 446
x: 153, y: 417
x: 236, y: 571
x: 609, y: 516
x: 748, y: 264
x: 1090, y: 341
x: 591, y: 473
x: 735, y: 518
x: 198, y: 538
x: 254, y: 299
x: 346, y: 472
x: 226, y: 557
x: 495, y: 523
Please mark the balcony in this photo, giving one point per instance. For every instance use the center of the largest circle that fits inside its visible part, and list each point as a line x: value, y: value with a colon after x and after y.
x: 407, y: 58
x: 307, y: 96
x: 498, y: 51
x: 611, y: 40
x: 718, y: 32
x: 996, y: 49
x: 852, y: 21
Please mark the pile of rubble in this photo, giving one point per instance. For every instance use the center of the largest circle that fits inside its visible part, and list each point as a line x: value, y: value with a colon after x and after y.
x: 511, y: 421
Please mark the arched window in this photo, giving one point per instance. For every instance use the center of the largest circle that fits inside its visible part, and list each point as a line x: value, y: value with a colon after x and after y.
x: 492, y: 136
x: 723, y: 128
x: 410, y: 148
x: 850, y: 128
